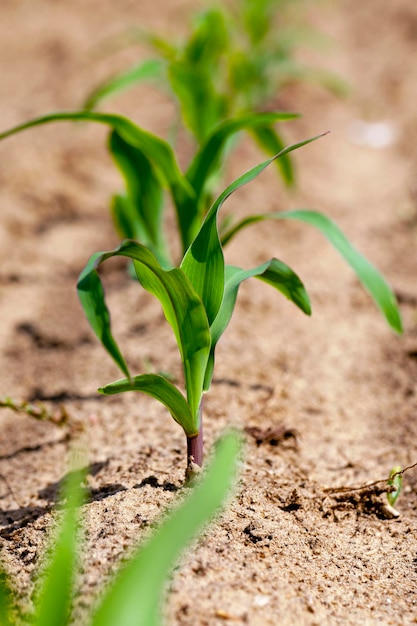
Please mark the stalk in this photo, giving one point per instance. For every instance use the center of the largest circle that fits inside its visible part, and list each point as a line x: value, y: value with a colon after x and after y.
x: 195, y: 446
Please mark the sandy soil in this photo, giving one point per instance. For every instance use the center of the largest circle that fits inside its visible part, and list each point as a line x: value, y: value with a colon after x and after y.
x: 286, y: 551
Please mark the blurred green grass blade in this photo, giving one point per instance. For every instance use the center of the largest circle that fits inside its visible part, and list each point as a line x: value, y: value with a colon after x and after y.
x: 369, y: 276
x: 7, y: 600
x: 54, y: 602
x: 160, y: 388
x: 150, y: 69
x: 273, y: 272
x: 91, y: 295
x: 209, y: 156
x: 144, y: 191
x: 181, y: 305
x: 135, y: 598
x: 124, y: 219
x: 270, y: 141
x: 193, y: 85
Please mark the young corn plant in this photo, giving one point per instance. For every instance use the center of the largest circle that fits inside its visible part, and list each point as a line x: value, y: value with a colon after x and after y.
x: 235, y: 59
x: 199, y: 294
x: 135, y: 595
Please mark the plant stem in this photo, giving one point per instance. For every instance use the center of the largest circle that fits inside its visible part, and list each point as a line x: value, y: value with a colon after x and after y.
x: 195, y: 446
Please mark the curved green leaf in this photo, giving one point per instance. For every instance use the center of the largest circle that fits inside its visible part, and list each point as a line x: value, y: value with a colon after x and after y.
x: 367, y: 273
x: 146, y: 70
x: 145, y: 194
x: 181, y: 305
x: 270, y: 141
x: 155, y: 148
x: 161, y: 389
x: 273, y: 272
x: 208, y: 157
x: 203, y: 262
x: 135, y: 597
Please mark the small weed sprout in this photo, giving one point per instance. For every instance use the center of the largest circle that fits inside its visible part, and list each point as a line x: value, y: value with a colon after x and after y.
x: 395, y: 480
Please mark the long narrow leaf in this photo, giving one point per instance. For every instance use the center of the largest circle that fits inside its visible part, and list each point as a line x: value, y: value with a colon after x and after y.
x: 270, y: 141
x: 273, y: 272
x: 160, y: 388
x: 55, y: 597
x: 135, y: 598
x: 147, y: 70
x: 203, y: 262
x: 208, y: 157
x: 182, y: 308
x: 144, y: 191
x: 367, y: 273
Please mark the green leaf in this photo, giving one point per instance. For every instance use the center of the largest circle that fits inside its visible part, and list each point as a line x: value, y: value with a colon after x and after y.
x: 270, y: 141
x: 144, y: 191
x: 161, y: 389
x: 203, y: 262
x: 125, y: 219
x: 273, y: 272
x: 7, y: 600
x: 136, y: 595
x: 369, y: 276
x: 181, y: 305
x: 91, y: 295
x: 54, y: 602
x: 209, y: 156
x: 147, y: 70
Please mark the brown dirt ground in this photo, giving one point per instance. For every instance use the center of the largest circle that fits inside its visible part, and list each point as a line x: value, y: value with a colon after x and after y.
x: 285, y: 551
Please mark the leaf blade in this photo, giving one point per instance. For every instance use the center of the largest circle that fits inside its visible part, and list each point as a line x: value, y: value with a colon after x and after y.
x: 181, y: 305
x: 370, y: 277
x: 162, y: 390
x: 275, y: 273
x: 55, y: 597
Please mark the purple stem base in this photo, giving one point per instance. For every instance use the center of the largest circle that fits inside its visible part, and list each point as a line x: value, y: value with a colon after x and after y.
x: 195, y: 449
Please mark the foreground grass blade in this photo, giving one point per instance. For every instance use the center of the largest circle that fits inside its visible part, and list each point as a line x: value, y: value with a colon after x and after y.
x: 181, y: 305
x: 147, y: 70
x: 54, y: 602
x: 136, y: 595
x: 369, y: 276
x: 161, y: 389
x: 7, y: 601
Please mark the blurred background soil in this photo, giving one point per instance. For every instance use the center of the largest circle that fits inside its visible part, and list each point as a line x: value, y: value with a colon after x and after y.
x: 338, y: 389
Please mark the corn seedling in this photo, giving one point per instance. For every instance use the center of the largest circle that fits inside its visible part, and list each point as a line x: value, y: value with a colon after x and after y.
x: 135, y: 596
x: 197, y: 296
x: 235, y: 59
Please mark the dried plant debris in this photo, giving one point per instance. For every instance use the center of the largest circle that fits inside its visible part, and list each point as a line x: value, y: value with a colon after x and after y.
x: 367, y: 498
x: 273, y: 435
